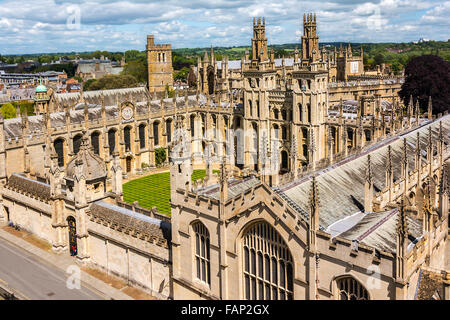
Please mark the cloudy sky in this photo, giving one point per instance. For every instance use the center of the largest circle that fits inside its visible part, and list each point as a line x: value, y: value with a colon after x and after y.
x: 30, y: 26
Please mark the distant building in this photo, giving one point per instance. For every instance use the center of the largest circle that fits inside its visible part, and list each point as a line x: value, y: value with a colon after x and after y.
x: 96, y: 68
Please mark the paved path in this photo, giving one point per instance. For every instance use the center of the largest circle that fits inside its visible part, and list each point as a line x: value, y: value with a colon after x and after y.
x: 36, y: 279
x: 39, y: 274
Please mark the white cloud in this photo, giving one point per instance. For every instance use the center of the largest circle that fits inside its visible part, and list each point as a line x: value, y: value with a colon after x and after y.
x: 40, y: 26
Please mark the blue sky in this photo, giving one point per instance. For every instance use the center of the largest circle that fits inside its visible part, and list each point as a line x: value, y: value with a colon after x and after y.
x: 30, y: 26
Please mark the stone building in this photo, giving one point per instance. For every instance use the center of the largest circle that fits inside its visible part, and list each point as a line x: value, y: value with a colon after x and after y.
x: 159, y: 61
x: 315, y: 199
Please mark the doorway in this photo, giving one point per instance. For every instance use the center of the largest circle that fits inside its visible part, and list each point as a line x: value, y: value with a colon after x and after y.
x: 128, y: 164
x: 72, y: 236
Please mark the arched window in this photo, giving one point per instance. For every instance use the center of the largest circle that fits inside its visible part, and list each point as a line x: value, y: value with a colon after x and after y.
x: 275, y: 130
x: 59, y: 149
x: 309, y: 112
x: 127, y: 138
x: 268, y: 265
x: 169, y: 130
x: 202, y: 258
x: 284, y: 160
x: 283, y: 132
x: 76, y: 143
x: 368, y: 137
x: 156, y: 133
x: 112, y: 141
x: 95, y: 142
x: 250, y: 107
x: 142, y: 136
x: 351, y: 289
x: 275, y: 114
x: 192, y: 125
x: 283, y: 114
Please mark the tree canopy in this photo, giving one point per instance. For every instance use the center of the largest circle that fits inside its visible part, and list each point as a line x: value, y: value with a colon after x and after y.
x: 426, y: 76
x: 8, y: 111
x: 111, y: 82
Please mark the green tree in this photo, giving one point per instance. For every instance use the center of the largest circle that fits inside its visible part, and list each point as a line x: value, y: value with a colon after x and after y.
x: 131, y: 55
x: 137, y: 69
x: 111, y: 82
x: 170, y: 92
x: 160, y: 156
x: 8, y: 111
x: 182, y: 74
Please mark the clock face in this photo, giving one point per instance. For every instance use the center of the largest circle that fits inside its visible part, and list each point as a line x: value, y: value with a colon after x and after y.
x: 127, y: 113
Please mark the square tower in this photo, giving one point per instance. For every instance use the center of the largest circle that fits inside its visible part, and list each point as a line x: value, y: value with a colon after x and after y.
x: 310, y: 39
x: 159, y: 61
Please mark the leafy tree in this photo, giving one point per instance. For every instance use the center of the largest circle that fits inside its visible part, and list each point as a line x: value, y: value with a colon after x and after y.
x: 8, y: 111
x: 88, y: 83
x: 170, y: 92
x: 182, y: 74
x: 131, y: 55
x: 426, y: 76
x: 137, y: 69
x: 160, y: 156
x: 112, y: 82
x: 379, y: 59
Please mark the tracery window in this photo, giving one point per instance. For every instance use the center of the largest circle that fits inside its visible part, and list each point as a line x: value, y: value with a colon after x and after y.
x: 59, y: 149
x: 351, y: 289
x: 76, y: 143
x: 127, y: 138
x: 268, y: 264
x: 111, y: 141
x: 142, y: 136
x: 95, y: 141
x: 202, y: 257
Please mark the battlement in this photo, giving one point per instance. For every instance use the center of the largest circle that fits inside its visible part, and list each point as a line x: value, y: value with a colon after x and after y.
x: 152, y: 46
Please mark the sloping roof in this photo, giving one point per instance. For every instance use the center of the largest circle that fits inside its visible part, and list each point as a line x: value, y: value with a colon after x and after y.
x: 111, y: 96
x: 128, y: 219
x: 341, y: 186
x: 378, y: 230
x: 235, y: 187
x: 36, y: 188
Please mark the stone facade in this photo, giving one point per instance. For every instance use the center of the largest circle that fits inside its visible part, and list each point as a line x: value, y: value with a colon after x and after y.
x: 159, y: 61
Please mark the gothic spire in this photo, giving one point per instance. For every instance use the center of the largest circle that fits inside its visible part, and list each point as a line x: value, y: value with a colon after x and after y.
x: 402, y: 225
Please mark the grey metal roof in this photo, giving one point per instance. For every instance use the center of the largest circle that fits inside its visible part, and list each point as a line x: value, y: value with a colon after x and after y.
x: 341, y: 186
x: 378, y: 230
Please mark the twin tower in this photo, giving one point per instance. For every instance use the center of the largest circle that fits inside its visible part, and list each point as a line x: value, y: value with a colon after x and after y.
x: 310, y: 40
x: 159, y: 56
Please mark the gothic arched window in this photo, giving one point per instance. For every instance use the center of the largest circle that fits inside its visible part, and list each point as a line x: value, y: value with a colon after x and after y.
x: 169, y: 130
x: 142, y: 136
x: 112, y: 141
x: 127, y: 138
x: 202, y: 257
x: 95, y: 142
x: 309, y: 112
x: 76, y: 143
x: 156, y: 133
x: 351, y: 289
x: 268, y: 265
x: 59, y: 149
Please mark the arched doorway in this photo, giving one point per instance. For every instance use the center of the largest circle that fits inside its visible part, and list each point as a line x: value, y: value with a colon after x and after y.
x: 72, y: 236
x: 267, y: 264
x: 351, y: 289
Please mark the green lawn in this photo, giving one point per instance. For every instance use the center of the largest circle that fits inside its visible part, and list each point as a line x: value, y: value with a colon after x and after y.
x: 154, y: 190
